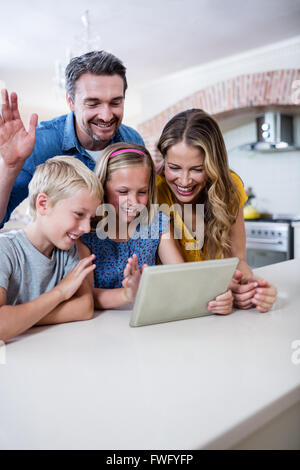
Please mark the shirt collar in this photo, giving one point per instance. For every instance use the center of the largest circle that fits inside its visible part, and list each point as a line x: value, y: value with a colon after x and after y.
x: 70, y: 140
x: 117, y: 137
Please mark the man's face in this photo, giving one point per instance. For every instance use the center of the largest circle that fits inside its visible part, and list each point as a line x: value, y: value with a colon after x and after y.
x: 98, y: 107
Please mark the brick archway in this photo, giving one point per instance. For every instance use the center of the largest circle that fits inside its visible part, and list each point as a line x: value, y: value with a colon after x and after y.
x: 244, y: 91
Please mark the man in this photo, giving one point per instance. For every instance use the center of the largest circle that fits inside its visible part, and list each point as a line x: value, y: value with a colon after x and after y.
x: 95, y: 86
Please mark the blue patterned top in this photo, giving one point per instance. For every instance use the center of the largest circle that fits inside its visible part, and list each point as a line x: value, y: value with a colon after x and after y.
x: 111, y: 256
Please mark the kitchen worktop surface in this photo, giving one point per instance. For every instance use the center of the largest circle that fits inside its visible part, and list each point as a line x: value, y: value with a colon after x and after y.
x: 202, y: 383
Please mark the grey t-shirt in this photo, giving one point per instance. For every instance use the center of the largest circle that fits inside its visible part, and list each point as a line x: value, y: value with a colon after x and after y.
x: 25, y: 273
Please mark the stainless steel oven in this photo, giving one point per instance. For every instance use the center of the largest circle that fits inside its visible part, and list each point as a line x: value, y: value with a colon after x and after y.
x: 268, y: 242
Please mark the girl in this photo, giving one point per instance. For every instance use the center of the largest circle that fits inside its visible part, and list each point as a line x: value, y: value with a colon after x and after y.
x: 136, y: 232
x: 195, y: 171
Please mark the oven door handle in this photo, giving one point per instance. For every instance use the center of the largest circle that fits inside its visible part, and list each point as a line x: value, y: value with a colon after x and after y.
x: 264, y: 240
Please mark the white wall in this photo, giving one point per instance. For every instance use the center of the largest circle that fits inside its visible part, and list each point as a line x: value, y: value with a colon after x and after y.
x: 160, y: 94
x: 274, y: 177
x: 32, y: 84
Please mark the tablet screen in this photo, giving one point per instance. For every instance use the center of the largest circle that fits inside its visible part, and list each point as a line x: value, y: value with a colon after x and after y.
x: 180, y: 291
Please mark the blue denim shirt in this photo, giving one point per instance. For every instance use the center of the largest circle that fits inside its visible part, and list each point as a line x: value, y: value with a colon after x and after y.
x: 58, y: 137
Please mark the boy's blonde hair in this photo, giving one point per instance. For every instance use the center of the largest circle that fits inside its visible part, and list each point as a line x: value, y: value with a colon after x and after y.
x: 129, y: 155
x: 59, y: 178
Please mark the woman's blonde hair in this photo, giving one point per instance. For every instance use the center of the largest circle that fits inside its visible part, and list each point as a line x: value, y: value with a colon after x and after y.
x: 60, y: 177
x: 128, y: 156
x: 220, y: 196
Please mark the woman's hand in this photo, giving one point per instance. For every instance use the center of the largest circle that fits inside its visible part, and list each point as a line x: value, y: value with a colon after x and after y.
x: 245, y: 271
x: 222, y: 304
x: 255, y: 293
x: 265, y: 295
x: 242, y: 293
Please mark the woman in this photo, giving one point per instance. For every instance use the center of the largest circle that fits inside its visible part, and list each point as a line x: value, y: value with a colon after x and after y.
x: 195, y: 172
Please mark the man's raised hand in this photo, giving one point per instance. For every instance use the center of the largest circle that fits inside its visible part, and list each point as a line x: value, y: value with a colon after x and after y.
x: 16, y: 144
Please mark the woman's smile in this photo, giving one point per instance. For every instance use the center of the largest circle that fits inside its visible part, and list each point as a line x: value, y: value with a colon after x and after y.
x: 185, y: 191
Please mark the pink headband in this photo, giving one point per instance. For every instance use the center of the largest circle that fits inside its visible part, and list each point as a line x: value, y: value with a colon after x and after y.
x: 126, y: 150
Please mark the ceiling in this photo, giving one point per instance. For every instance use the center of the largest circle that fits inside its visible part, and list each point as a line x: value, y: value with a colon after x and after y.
x: 153, y: 38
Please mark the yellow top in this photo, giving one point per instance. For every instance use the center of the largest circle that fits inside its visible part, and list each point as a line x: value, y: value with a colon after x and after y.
x: 191, y: 248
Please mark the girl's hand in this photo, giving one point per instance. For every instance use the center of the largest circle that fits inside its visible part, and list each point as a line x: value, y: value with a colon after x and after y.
x: 132, y: 276
x: 265, y: 295
x: 222, y: 304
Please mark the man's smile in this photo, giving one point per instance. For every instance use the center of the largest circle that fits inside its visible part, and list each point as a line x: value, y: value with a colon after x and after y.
x: 104, y: 125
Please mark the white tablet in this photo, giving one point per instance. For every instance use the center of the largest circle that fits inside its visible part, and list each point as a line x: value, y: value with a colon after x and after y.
x: 180, y: 291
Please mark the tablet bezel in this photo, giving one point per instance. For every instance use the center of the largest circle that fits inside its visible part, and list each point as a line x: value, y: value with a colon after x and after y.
x: 141, y: 311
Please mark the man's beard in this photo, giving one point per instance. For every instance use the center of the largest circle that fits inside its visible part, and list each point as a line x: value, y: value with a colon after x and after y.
x: 97, y: 138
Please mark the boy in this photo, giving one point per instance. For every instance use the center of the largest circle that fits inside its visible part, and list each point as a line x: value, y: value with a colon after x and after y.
x: 42, y: 280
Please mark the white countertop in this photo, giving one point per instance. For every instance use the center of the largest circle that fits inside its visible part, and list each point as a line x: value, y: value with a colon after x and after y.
x: 201, y: 383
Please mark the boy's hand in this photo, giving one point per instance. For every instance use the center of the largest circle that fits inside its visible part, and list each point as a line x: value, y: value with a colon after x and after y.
x: 16, y: 144
x: 73, y: 280
x: 132, y: 276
